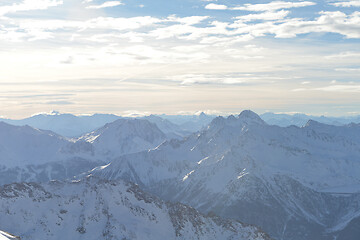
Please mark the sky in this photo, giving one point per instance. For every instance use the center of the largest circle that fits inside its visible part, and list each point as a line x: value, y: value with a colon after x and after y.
x: 179, y: 56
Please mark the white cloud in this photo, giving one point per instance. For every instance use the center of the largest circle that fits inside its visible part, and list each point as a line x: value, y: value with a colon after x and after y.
x: 272, y: 6
x: 213, y: 6
x: 105, y: 5
x: 328, y: 22
x: 348, y: 54
x: 340, y: 88
x: 189, y: 79
x: 264, y: 16
x: 28, y: 5
x: 347, y: 69
x: 192, y: 20
x: 347, y: 4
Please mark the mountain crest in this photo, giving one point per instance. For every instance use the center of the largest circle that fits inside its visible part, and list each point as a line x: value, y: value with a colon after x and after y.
x: 249, y: 116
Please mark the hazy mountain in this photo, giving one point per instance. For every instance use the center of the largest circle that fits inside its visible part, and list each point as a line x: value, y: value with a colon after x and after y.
x: 171, y: 130
x: 93, y: 209
x: 29, y: 154
x: 190, y: 123
x: 67, y: 125
x: 282, y: 179
x: 71, y: 126
x: 299, y: 120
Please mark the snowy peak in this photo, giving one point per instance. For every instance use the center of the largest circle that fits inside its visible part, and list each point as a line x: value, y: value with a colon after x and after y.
x: 124, y: 136
x: 245, y: 118
x: 250, y: 117
x: 124, y: 128
x: 313, y: 124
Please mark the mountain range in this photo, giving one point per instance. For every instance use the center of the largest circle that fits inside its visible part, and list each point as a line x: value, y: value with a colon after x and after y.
x: 294, y: 182
x: 281, y: 179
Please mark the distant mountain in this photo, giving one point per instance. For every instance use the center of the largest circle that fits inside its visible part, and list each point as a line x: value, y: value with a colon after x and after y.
x: 171, y: 130
x: 190, y: 123
x: 67, y: 125
x: 284, y: 120
x: 72, y: 126
x: 92, y: 209
x: 124, y: 136
x: 281, y: 179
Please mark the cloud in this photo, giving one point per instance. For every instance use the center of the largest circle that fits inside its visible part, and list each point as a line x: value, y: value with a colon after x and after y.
x: 213, y: 6
x: 340, y: 88
x: 189, y: 79
x: 68, y: 60
x: 348, y: 54
x: 221, y: 79
x: 268, y: 16
x: 272, y: 6
x: 347, y: 69
x: 28, y: 5
x: 59, y: 103
x: 106, y: 5
x: 328, y: 22
x: 347, y: 4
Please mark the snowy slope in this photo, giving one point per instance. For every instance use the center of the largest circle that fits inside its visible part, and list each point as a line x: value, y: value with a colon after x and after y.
x: 124, y: 136
x: 93, y: 209
x: 29, y: 154
x: 281, y: 179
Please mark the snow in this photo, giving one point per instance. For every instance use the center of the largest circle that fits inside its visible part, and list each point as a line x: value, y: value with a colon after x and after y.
x: 93, y: 209
x: 187, y: 175
x: 6, y: 236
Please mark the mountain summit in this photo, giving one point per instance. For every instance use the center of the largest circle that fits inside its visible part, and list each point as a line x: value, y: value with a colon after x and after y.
x: 249, y: 116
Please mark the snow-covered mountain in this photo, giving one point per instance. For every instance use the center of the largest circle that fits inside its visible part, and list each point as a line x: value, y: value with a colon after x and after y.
x: 92, y: 209
x: 284, y: 120
x: 67, y: 125
x: 29, y: 154
x: 124, y: 136
x: 295, y: 183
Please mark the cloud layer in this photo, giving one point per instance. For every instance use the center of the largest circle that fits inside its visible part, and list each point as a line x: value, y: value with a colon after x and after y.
x: 248, y: 52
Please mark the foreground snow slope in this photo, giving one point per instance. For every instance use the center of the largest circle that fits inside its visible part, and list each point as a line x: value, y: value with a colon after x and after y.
x: 282, y: 179
x: 96, y: 209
